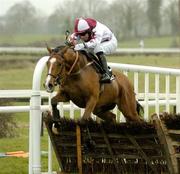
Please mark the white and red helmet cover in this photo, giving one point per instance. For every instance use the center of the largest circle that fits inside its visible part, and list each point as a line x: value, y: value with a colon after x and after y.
x: 84, y: 24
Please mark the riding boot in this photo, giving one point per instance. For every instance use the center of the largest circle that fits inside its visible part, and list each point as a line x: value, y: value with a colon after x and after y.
x: 106, y: 78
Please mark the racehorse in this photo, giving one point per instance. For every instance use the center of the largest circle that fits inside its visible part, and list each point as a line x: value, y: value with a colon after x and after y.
x: 79, y: 82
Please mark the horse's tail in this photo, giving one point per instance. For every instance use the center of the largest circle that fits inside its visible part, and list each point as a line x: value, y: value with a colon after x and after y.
x: 139, y: 108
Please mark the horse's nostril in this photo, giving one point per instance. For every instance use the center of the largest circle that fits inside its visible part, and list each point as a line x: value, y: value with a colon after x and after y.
x: 50, y: 86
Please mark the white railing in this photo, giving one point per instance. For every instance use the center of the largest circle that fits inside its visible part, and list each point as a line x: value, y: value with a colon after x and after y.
x: 148, y: 51
x: 119, y: 51
x: 157, y: 72
x: 148, y: 98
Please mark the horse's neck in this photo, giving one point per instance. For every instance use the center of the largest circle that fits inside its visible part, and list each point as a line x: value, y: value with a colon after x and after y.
x: 83, y: 61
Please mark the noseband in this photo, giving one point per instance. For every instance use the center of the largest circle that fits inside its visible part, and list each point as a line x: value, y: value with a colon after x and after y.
x: 57, y: 78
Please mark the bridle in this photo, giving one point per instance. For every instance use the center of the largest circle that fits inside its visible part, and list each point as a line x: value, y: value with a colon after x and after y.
x: 57, y: 77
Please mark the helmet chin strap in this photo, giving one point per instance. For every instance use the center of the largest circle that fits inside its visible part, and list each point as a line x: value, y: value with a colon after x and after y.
x: 90, y: 36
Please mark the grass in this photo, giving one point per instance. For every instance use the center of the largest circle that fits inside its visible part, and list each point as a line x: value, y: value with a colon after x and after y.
x: 19, y: 76
x: 40, y: 39
x: 26, y: 39
x: 171, y: 61
x: 158, y: 42
x: 20, y: 165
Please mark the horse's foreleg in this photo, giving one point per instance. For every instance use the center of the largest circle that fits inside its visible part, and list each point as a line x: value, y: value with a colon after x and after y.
x: 55, y: 111
x: 60, y: 97
x: 90, y: 105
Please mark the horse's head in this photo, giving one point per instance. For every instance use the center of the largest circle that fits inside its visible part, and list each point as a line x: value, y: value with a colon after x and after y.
x: 57, y: 65
x: 54, y: 68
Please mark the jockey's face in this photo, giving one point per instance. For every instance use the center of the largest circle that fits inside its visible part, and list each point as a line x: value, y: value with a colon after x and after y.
x: 85, y: 37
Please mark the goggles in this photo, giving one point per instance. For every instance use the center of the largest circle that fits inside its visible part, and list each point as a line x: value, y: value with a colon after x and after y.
x: 83, y: 34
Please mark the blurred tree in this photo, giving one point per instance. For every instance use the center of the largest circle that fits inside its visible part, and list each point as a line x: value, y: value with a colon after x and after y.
x: 127, y: 18
x: 21, y: 18
x: 171, y: 13
x: 65, y: 14
x: 179, y: 23
x: 154, y: 16
x: 2, y: 25
x: 52, y: 25
x: 133, y: 11
x: 60, y: 20
x: 92, y: 8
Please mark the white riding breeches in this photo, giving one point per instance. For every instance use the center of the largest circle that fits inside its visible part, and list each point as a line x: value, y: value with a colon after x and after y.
x: 107, y: 47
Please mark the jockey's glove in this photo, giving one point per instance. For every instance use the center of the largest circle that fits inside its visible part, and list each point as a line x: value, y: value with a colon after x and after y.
x: 79, y: 47
x: 72, y: 40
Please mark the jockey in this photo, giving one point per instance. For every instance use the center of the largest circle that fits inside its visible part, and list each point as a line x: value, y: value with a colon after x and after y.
x: 96, y: 37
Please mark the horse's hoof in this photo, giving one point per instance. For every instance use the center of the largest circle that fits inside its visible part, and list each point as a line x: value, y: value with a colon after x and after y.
x: 46, y: 114
x: 85, y: 120
x: 55, y: 129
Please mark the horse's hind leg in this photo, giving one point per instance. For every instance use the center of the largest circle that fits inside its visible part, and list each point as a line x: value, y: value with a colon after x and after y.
x: 109, y: 116
x: 127, y: 105
x: 106, y: 116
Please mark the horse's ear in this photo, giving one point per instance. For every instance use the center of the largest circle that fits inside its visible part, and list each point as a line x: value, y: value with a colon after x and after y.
x: 48, y: 48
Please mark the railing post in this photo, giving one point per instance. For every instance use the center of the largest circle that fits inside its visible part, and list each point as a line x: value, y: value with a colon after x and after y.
x: 71, y: 110
x: 178, y: 94
x: 167, y: 93
x: 35, y: 111
x: 136, y: 83
x: 146, y: 97
x: 35, y: 119
x: 157, y: 93
x: 49, y: 141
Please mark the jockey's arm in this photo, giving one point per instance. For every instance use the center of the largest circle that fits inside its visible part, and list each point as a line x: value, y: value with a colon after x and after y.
x: 92, y: 43
x: 73, y: 39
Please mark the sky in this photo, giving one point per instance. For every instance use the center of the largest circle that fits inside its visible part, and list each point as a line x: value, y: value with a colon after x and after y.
x: 46, y: 6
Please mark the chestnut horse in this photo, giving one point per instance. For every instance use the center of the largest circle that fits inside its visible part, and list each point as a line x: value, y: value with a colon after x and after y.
x: 79, y: 82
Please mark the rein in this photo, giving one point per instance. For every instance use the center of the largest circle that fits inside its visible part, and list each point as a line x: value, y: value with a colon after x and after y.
x: 74, y: 64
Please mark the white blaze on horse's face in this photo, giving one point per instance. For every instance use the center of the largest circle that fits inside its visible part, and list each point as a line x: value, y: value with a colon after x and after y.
x: 50, y: 79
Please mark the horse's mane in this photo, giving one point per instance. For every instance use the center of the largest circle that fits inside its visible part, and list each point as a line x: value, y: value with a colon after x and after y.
x: 58, y: 48
x: 84, y: 51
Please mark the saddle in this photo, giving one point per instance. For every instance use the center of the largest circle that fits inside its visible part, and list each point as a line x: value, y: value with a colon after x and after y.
x: 96, y: 63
